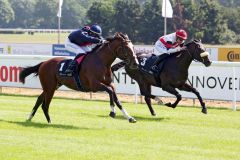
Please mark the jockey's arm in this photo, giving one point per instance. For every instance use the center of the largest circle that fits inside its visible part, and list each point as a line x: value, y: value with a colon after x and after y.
x: 87, y: 38
x: 173, y: 50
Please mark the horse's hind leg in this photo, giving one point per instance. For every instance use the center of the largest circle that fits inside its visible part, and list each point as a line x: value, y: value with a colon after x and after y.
x: 188, y: 88
x: 45, y: 106
x: 37, y: 104
x: 173, y: 91
x: 146, y: 91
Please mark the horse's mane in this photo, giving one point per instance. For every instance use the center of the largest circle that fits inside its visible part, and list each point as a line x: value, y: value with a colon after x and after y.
x: 195, y: 41
x: 118, y: 35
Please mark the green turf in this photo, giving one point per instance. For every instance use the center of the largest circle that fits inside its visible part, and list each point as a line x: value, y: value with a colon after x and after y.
x: 47, y: 38
x: 83, y: 130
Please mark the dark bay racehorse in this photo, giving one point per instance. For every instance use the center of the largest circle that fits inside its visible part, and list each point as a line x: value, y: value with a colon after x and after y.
x: 95, y: 73
x: 174, y: 74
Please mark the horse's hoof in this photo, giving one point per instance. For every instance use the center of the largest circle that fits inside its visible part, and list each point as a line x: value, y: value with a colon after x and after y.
x: 204, y: 111
x: 28, y: 120
x: 112, y: 114
x: 168, y: 104
x: 132, y: 120
x: 154, y: 114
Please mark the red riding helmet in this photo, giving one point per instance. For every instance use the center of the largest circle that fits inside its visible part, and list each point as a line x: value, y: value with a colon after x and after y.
x: 181, y: 34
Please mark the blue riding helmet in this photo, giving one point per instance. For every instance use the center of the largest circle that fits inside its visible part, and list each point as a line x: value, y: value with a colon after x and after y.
x: 96, y: 29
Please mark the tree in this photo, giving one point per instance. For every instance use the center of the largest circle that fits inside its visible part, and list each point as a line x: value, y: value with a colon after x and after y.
x: 24, y: 14
x: 6, y: 13
x: 206, y: 22
x: 45, y: 13
x: 127, y: 18
x: 102, y: 14
x: 73, y: 15
x: 152, y: 22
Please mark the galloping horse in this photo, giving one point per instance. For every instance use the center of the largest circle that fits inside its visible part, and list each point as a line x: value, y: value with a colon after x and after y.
x: 174, y: 73
x: 94, y: 75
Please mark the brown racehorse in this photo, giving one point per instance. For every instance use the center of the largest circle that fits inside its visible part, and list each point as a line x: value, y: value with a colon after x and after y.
x: 174, y: 74
x: 95, y: 74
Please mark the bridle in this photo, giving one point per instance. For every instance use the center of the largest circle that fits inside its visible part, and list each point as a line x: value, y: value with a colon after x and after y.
x: 205, y: 53
x: 116, y: 51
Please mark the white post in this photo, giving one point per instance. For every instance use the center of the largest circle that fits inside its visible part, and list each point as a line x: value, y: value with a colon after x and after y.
x: 234, y: 90
x: 136, y: 92
x: 165, y: 19
x: 59, y: 28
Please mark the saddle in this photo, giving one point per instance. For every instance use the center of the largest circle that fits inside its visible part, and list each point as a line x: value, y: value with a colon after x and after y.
x: 63, y: 65
x: 146, y: 64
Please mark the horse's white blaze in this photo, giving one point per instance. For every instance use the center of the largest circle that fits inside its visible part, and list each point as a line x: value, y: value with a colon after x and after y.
x: 204, y: 54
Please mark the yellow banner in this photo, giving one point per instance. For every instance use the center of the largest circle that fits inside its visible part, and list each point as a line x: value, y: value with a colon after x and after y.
x: 229, y: 54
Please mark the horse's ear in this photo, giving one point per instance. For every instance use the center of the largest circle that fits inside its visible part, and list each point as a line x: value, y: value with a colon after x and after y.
x: 196, y: 40
x: 126, y: 36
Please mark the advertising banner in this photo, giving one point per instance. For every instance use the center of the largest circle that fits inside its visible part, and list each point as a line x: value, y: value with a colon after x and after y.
x: 59, y: 50
x: 229, y: 54
x: 220, y: 81
x: 25, y: 49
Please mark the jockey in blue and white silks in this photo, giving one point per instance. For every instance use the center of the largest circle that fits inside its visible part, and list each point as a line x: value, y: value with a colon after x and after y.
x: 82, y: 41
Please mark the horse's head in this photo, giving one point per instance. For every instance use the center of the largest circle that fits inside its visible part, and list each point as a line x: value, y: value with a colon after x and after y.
x: 123, y: 48
x: 198, y: 52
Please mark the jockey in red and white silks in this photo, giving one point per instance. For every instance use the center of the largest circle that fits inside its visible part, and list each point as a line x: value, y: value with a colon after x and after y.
x: 170, y: 43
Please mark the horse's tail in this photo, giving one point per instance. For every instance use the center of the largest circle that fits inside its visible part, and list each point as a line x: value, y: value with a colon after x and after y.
x: 117, y: 66
x: 27, y: 71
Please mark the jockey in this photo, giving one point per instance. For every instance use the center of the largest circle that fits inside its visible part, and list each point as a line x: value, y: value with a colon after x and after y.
x: 168, y: 44
x: 82, y: 41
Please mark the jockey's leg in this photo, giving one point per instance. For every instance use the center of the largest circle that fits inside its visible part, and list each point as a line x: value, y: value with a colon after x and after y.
x: 73, y: 65
x: 157, y: 62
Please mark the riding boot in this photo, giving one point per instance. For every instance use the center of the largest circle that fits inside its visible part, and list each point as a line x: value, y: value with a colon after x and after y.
x: 71, y: 67
x: 157, y: 62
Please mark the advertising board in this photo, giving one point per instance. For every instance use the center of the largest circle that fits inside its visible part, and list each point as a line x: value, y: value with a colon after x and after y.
x: 229, y: 54
x: 221, y: 81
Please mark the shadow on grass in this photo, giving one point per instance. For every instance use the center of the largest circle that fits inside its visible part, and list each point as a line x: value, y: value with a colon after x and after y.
x: 138, y: 118
x: 43, y: 125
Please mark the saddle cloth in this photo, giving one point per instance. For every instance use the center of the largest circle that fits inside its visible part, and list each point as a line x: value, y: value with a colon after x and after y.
x: 62, y: 67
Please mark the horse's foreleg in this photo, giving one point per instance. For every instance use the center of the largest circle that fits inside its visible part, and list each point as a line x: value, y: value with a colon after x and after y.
x: 189, y: 88
x: 37, y: 104
x: 111, y: 91
x: 113, y: 110
x: 173, y: 91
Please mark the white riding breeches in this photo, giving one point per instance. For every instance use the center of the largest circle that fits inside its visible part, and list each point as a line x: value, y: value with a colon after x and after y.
x: 78, y: 49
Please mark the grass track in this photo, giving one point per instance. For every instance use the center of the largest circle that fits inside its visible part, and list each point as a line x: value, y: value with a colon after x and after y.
x: 83, y: 130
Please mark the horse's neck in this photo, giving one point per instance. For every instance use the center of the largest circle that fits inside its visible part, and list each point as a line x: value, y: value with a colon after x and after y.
x: 185, y: 60
x: 106, y: 56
